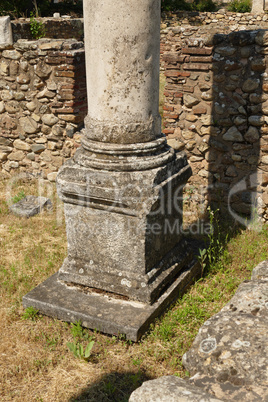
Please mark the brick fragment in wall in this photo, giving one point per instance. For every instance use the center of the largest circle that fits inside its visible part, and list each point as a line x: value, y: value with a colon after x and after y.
x: 196, y: 66
x: 197, y: 50
x: 176, y: 73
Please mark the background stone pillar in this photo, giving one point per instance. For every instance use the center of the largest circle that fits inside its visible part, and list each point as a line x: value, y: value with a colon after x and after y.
x: 6, y: 38
x: 258, y: 6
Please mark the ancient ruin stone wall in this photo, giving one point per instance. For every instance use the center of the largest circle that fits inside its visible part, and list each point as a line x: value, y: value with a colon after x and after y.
x: 68, y: 28
x: 200, y: 80
x: 56, y: 28
x: 220, y: 19
x: 216, y: 110
x: 42, y: 104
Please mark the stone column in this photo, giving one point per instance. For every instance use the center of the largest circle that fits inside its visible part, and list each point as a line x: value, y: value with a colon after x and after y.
x: 122, y: 180
x: 122, y: 61
x: 122, y: 191
x: 122, y: 58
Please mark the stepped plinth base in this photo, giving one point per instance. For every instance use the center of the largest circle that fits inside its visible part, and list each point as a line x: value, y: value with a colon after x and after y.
x: 105, y: 312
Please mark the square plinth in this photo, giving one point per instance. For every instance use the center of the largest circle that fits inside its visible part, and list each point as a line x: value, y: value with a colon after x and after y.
x: 103, y: 312
x: 124, y: 229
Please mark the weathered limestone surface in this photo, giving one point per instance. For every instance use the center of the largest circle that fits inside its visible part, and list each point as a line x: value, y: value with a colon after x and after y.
x: 170, y: 389
x: 124, y: 67
x: 258, y: 6
x: 229, y: 355
x: 105, y: 312
x: 228, y: 358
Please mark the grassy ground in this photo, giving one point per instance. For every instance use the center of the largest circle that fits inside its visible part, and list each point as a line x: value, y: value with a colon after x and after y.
x: 35, y: 362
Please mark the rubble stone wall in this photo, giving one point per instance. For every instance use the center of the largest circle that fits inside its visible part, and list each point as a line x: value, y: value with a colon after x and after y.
x: 63, y: 28
x: 69, y: 28
x: 220, y: 19
x: 42, y: 104
x: 216, y: 110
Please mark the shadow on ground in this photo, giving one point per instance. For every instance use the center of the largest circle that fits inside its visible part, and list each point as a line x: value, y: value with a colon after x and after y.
x: 111, y: 387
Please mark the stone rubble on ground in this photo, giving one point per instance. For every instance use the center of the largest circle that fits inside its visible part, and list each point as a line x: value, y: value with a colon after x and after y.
x: 30, y: 206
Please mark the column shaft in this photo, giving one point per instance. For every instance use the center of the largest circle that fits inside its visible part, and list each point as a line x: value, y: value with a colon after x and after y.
x: 122, y: 59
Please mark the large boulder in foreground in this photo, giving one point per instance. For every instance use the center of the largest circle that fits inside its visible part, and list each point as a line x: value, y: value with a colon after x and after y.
x: 170, y: 389
x: 229, y: 355
x: 228, y: 358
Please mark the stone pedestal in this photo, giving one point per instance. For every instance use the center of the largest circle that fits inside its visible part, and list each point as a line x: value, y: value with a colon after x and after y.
x: 123, y: 227
x: 122, y: 191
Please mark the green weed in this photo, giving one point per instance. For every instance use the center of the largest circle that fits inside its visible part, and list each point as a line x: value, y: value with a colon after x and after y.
x: 80, y: 334
x: 18, y: 197
x: 217, y: 240
x: 37, y: 28
x: 51, y: 341
x: 30, y: 314
x: 240, y: 6
x: 78, y: 349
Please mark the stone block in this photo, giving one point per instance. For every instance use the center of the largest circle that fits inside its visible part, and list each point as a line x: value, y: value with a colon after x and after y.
x: 199, y: 110
x: 28, y: 125
x: 22, y: 145
x: 11, y: 54
x: 233, y: 135
x: 38, y: 148
x: 30, y: 206
x: 176, y: 73
x: 16, y: 156
x: 6, y: 38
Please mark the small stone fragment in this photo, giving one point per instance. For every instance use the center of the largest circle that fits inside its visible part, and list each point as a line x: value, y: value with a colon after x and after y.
x: 49, y: 119
x: 28, y: 125
x: 19, y: 144
x: 30, y: 206
x: 190, y: 100
x: 52, y: 176
x: 37, y: 148
x: 233, y: 135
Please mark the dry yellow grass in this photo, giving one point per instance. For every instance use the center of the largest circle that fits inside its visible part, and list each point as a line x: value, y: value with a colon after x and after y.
x: 35, y: 363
